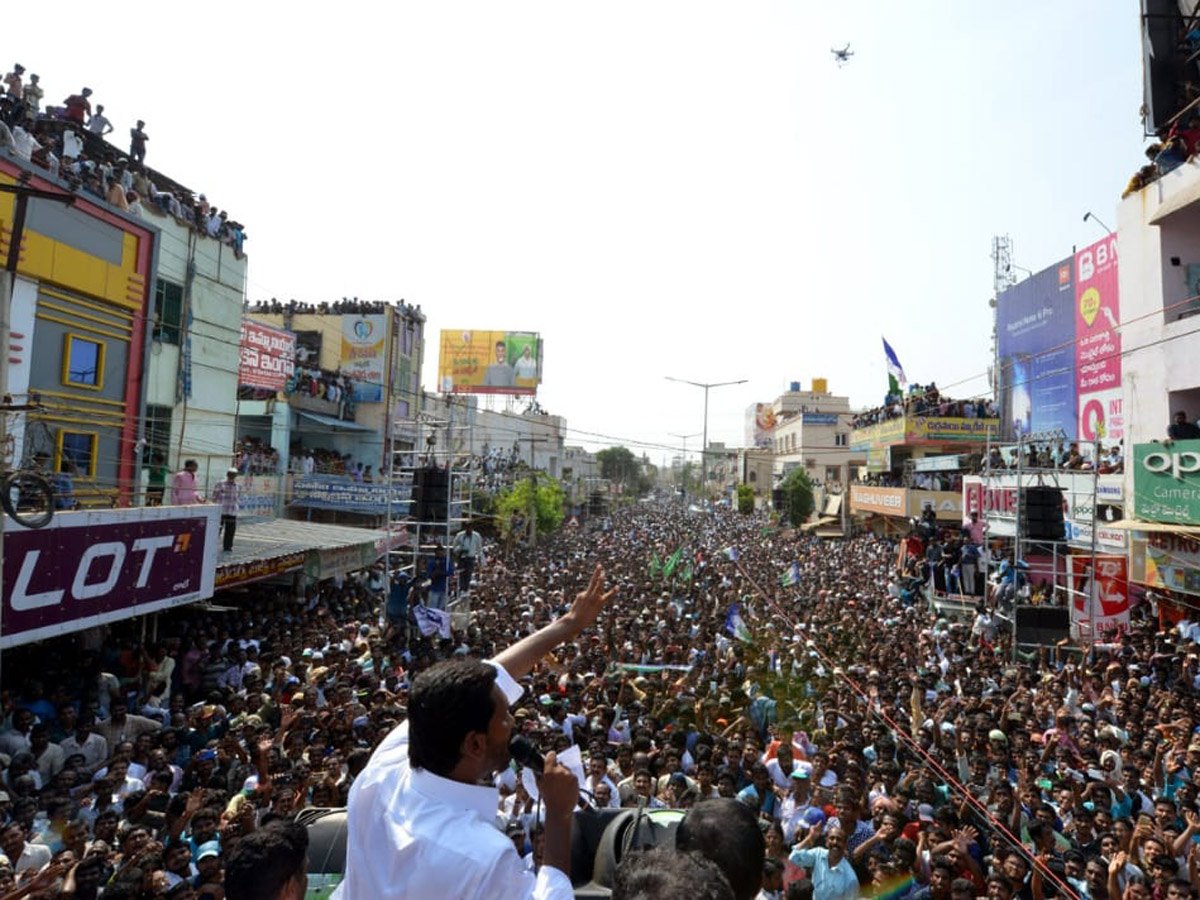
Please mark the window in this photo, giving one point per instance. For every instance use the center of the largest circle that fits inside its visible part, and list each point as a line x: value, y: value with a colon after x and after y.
x: 157, y: 433
x: 76, y: 453
x: 168, y: 311
x: 839, y: 440
x: 833, y: 473
x: 83, y: 362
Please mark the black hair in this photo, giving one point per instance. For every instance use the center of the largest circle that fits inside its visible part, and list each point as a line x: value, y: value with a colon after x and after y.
x: 447, y: 702
x: 800, y: 889
x: 261, y: 863
x: 652, y: 874
x: 726, y: 831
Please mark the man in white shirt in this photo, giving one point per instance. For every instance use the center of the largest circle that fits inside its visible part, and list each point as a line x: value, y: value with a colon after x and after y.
x: 22, y: 854
x: 418, y: 823
x: 85, y: 742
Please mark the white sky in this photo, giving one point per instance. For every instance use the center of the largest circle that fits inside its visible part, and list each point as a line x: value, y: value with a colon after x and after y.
x: 660, y: 188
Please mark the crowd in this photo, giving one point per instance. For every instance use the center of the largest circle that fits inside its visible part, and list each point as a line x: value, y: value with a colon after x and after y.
x: 321, y: 384
x: 882, y: 750
x: 69, y: 141
x: 1063, y: 456
x: 345, y: 306
x: 323, y: 461
x: 254, y: 456
x: 925, y: 401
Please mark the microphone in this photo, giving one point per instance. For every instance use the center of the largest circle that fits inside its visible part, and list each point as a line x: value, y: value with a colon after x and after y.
x: 526, y: 754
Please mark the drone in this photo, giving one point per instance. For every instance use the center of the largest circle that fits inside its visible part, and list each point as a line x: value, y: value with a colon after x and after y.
x: 841, y: 57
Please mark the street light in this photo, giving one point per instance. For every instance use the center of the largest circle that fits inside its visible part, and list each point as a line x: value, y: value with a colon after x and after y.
x: 1092, y: 216
x: 706, y: 386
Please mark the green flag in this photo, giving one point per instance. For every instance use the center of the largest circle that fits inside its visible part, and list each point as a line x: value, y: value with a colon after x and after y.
x: 672, y: 562
x: 655, y: 565
x: 685, y: 574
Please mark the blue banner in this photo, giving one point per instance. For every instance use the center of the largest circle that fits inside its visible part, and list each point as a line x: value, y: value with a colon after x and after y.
x: 339, y: 492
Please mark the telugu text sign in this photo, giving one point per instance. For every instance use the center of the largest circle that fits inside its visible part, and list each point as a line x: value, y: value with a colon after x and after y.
x: 339, y: 492
x: 89, y: 568
x: 364, y: 354
x: 266, y: 356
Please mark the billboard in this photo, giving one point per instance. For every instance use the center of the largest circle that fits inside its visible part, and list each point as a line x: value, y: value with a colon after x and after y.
x: 364, y: 354
x: 1166, y: 482
x: 1098, y: 343
x: 1164, y: 559
x: 1103, y: 594
x: 760, y: 425
x: 340, y: 493
x: 267, y: 356
x: 489, y: 362
x: 882, y: 500
x: 1035, y: 328
x: 89, y: 568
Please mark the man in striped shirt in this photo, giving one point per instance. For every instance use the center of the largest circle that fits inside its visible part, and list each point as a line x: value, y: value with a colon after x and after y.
x: 226, y: 494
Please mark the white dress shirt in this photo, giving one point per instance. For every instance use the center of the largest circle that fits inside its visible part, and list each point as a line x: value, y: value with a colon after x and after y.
x: 413, y: 835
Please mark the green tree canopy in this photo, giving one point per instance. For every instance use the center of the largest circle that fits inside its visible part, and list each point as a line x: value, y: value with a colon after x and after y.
x: 550, y: 502
x: 798, y: 496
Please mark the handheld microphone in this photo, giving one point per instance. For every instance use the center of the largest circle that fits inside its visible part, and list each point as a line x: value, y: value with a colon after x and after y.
x: 526, y: 754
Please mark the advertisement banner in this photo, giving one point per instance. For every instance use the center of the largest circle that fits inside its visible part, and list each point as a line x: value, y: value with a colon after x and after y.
x: 1035, y: 330
x: 364, y: 354
x: 1165, y: 560
x: 884, y: 501
x: 339, y: 492
x: 760, y: 425
x: 89, y: 568
x: 1098, y: 342
x: 814, y: 418
x: 259, y: 495
x: 266, y: 356
x: 927, y: 430
x: 996, y: 505
x: 236, y: 574
x: 489, y: 362
x: 946, y: 505
x: 889, y: 432
x: 879, y: 459
x: 1166, y: 482
x: 1104, y: 595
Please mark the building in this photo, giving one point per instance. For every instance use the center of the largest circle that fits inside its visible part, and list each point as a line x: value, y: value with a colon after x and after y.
x: 1159, y: 241
x: 79, y: 334
x: 351, y: 403
x: 916, y: 460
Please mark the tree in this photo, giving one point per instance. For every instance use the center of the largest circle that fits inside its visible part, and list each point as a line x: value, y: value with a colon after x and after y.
x: 797, y: 496
x: 745, y: 499
x: 618, y: 464
x: 550, y: 502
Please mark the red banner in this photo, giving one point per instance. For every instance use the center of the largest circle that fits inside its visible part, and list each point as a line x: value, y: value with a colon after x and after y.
x: 267, y: 358
x: 1104, y: 596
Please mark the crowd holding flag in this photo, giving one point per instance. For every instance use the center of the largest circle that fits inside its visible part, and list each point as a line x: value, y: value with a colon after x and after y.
x: 736, y: 625
x: 792, y: 575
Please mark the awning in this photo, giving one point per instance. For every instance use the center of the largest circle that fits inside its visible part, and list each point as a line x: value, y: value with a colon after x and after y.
x: 1136, y: 525
x: 265, y: 549
x: 331, y: 422
x: 824, y: 520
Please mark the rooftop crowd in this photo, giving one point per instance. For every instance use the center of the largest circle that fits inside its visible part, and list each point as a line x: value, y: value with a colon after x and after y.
x: 70, y: 141
x: 880, y: 750
x: 925, y: 401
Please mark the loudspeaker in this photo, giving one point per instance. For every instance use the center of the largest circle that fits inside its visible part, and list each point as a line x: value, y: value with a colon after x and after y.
x: 1045, y: 625
x: 1042, y: 513
x: 431, y: 495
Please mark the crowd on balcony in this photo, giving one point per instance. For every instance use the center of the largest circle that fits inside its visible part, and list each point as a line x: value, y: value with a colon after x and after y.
x: 322, y: 384
x: 925, y: 401
x: 323, y: 461
x: 1064, y: 455
x: 253, y: 456
x: 70, y: 142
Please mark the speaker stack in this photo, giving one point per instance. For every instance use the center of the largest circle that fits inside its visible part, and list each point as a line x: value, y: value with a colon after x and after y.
x: 431, y: 495
x: 1042, y: 513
